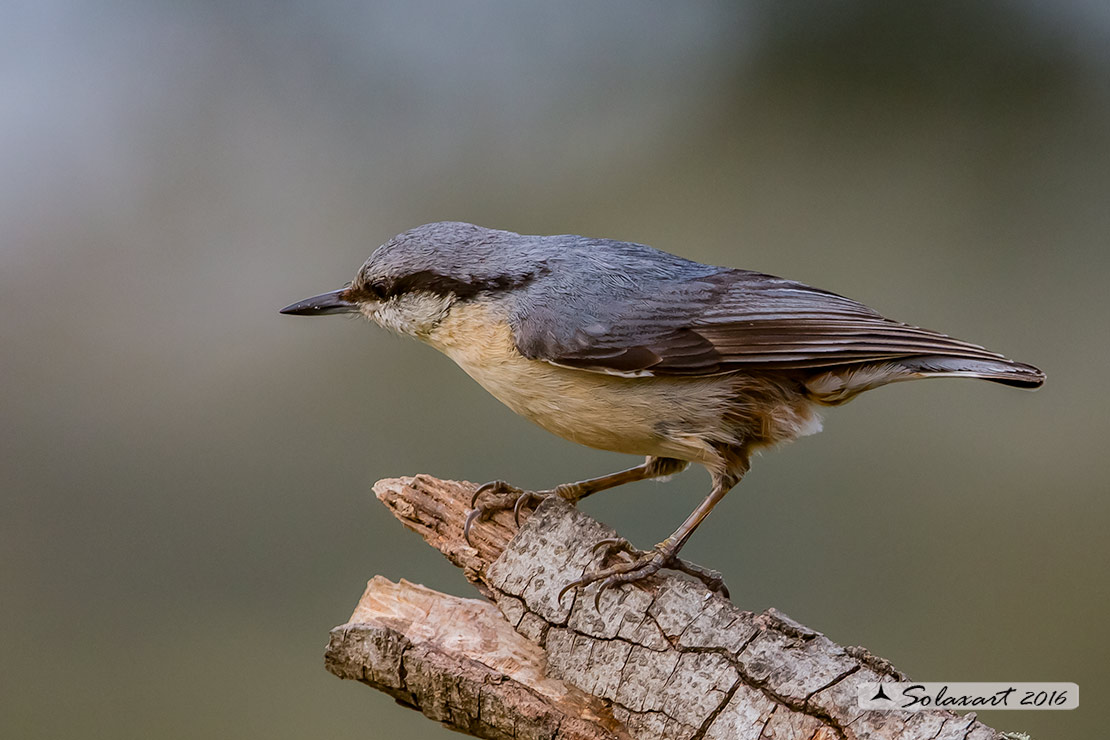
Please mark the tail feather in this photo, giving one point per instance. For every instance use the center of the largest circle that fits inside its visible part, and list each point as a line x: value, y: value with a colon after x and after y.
x: 841, y: 384
x: 1007, y: 372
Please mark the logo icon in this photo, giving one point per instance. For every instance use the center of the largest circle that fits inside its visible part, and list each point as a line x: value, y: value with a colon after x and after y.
x: 880, y: 695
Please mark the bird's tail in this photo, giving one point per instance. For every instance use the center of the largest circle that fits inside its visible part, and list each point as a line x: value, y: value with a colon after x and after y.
x: 843, y: 383
x: 1007, y: 372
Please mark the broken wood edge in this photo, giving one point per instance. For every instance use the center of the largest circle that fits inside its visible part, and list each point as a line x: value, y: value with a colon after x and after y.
x: 460, y: 663
x: 671, y: 659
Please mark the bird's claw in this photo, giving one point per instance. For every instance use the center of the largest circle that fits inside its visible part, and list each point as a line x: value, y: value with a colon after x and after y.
x: 642, y: 565
x: 521, y: 501
x: 472, y: 516
x: 614, y: 545
x: 493, y: 486
x: 513, y: 498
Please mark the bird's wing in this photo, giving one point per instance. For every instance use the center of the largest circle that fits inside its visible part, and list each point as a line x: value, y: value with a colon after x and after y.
x: 719, y: 322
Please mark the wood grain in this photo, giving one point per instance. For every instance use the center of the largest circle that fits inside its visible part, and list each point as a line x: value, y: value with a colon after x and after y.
x: 665, y: 658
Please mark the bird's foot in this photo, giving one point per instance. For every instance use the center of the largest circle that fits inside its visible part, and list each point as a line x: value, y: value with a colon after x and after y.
x: 505, y: 497
x: 641, y: 565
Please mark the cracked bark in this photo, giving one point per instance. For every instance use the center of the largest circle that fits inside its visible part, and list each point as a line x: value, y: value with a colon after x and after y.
x: 662, y: 659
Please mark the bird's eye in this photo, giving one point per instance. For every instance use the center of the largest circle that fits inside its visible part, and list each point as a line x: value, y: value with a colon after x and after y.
x: 378, y: 289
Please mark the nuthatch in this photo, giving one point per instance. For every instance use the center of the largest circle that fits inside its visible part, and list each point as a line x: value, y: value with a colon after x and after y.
x: 626, y: 348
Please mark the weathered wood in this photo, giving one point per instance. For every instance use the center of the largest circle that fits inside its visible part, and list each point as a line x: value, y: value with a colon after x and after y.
x: 665, y: 658
x: 461, y: 663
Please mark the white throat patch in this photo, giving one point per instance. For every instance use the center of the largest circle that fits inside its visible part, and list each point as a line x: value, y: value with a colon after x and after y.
x: 413, y: 314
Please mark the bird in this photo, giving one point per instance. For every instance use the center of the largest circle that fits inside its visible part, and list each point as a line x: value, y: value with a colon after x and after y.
x: 622, y: 347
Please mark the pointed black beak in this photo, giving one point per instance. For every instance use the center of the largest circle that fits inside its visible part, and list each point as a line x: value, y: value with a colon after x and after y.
x: 321, y: 305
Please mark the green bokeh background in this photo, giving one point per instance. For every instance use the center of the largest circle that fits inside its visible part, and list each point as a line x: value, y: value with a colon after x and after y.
x: 185, y: 507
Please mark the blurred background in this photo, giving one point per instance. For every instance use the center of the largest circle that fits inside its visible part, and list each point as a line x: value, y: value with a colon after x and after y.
x: 185, y: 507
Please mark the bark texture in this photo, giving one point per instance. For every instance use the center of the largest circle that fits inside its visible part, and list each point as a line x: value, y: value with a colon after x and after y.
x: 662, y: 659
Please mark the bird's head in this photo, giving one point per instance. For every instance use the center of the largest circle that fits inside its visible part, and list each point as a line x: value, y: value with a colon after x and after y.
x: 411, y: 282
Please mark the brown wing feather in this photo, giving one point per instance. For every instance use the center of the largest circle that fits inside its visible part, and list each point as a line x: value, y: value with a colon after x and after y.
x: 759, y: 321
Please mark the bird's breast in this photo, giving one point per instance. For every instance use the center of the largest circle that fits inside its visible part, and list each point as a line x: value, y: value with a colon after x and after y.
x: 667, y: 417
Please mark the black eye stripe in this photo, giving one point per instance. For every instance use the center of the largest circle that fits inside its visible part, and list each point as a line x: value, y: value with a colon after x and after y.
x: 429, y: 281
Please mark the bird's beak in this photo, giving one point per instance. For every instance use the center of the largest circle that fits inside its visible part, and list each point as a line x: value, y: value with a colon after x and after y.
x: 320, y: 305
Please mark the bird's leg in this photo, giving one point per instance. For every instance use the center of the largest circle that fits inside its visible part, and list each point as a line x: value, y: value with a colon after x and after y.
x: 664, y: 555
x: 515, y: 498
